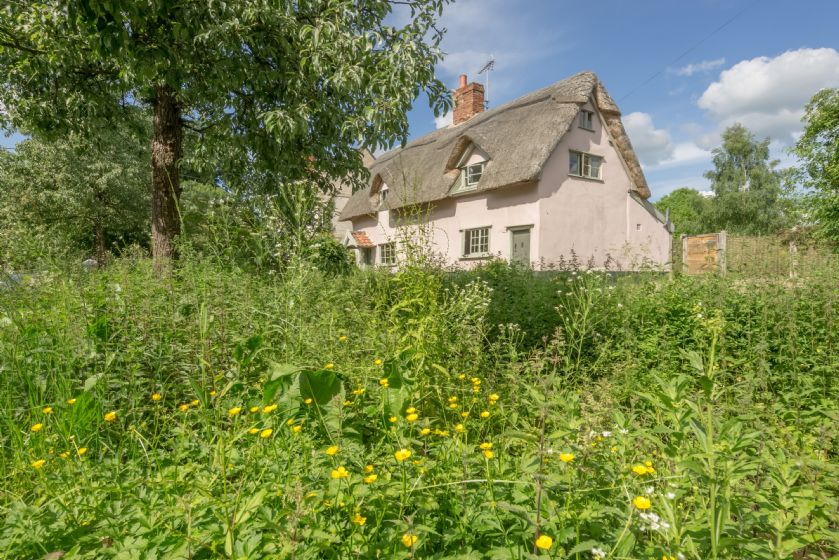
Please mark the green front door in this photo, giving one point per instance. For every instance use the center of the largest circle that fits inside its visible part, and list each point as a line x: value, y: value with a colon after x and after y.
x: 521, y: 246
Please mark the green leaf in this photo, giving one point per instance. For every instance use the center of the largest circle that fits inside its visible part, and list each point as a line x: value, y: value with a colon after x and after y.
x: 320, y: 386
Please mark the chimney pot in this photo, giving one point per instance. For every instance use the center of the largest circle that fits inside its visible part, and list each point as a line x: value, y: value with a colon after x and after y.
x: 463, y: 80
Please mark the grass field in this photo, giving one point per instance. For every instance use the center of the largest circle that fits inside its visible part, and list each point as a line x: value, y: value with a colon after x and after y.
x: 219, y: 414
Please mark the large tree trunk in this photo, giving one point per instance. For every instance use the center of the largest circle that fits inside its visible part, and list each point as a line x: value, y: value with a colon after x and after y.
x: 166, y: 182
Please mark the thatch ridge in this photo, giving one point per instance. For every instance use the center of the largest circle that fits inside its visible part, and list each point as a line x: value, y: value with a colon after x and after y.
x: 519, y: 137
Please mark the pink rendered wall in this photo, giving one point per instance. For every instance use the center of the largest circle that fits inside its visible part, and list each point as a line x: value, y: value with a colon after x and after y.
x: 596, y: 219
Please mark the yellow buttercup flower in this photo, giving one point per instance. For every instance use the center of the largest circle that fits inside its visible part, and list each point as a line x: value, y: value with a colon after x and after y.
x: 544, y: 542
x: 332, y: 450
x: 384, y: 382
x: 410, y: 410
x: 475, y: 381
x: 566, y: 457
x: 348, y: 403
x: 296, y: 429
x: 402, y: 454
x: 453, y: 405
x: 307, y: 401
x: 639, y: 469
x: 461, y: 376
x: 392, y: 419
x: 64, y: 455
x: 234, y: 411
x: 340, y: 472
x: 37, y: 427
x: 266, y: 433
x: 425, y: 431
x: 213, y: 393
x: 254, y: 409
x: 642, y: 502
x: 38, y: 464
x: 412, y: 417
x: 156, y: 397
x: 195, y: 402
x: 464, y: 414
x: 377, y: 361
x: 71, y: 401
x: 459, y: 428
x: 371, y: 478
x: 493, y: 398
x: 111, y: 416
x: 486, y: 445
x: 409, y: 539
x: 368, y: 469
x: 359, y: 391
x: 269, y: 408
x: 342, y: 338
x: 330, y: 365
x: 47, y: 410
x: 488, y: 453
x: 452, y: 399
x: 358, y: 520
x: 253, y: 431
x: 485, y: 414
x: 81, y: 451
x: 183, y: 407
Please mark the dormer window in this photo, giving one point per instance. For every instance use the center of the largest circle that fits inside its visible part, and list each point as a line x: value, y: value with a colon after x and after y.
x: 472, y: 174
x: 469, y: 166
x: 383, y: 194
x: 378, y: 192
x: 587, y: 119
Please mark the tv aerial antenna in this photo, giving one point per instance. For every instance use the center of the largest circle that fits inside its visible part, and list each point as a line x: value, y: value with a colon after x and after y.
x: 487, y: 68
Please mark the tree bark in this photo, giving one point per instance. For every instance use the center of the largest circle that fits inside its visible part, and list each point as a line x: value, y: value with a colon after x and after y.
x: 166, y: 182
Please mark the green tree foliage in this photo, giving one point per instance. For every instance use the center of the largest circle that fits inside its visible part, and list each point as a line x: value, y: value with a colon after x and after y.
x: 748, y: 187
x: 283, y: 87
x: 76, y: 195
x: 688, y: 210
x: 818, y: 149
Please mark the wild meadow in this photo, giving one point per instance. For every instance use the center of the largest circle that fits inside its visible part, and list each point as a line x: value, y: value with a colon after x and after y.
x: 216, y: 413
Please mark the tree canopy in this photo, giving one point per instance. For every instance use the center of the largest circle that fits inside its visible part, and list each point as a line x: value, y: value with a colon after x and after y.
x: 290, y: 88
x: 748, y: 187
x: 818, y: 149
x: 688, y: 210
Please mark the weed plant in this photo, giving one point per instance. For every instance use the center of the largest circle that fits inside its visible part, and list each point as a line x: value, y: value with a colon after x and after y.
x: 221, y: 414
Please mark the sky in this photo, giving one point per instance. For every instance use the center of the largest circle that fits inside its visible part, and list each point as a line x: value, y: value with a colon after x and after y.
x: 680, y: 70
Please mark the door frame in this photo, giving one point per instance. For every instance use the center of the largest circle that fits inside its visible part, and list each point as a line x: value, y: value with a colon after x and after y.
x: 529, y: 229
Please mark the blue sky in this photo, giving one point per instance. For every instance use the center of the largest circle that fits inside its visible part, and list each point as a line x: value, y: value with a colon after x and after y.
x: 760, y: 69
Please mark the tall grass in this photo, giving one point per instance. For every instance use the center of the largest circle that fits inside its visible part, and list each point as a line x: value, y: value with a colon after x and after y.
x: 627, y: 419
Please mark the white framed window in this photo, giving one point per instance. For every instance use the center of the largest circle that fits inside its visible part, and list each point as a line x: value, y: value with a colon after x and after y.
x: 585, y: 165
x: 587, y: 119
x: 476, y: 242
x: 387, y: 252
x: 469, y: 177
x: 383, y: 194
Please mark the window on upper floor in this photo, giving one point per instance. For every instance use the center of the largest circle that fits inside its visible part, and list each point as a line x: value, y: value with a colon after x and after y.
x: 587, y: 119
x: 388, y: 254
x: 585, y: 165
x: 476, y: 242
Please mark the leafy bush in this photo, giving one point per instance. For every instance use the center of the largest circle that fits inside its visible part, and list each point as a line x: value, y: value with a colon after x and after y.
x: 221, y: 414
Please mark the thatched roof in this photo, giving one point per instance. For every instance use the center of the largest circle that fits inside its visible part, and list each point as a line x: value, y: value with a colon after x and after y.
x: 518, y: 137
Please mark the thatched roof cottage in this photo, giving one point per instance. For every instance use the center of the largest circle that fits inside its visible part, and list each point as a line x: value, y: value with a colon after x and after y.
x: 536, y: 180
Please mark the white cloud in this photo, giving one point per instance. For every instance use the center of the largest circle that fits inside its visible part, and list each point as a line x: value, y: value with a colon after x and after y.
x: 477, y: 30
x: 652, y: 145
x: 699, y: 67
x: 444, y: 120
x: 768, y: 95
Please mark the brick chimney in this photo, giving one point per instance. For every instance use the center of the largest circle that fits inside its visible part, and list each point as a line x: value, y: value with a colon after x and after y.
x: 468, y: 100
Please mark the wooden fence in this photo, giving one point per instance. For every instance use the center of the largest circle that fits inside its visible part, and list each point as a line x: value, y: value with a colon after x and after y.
x: 753, y: 256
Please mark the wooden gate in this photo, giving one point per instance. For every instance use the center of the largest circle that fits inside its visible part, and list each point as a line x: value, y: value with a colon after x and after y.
x: 704, y: 253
